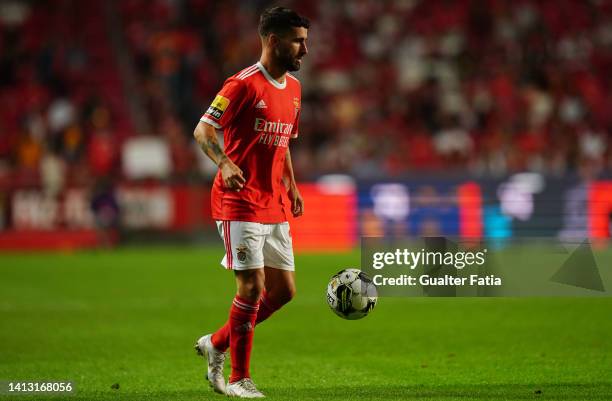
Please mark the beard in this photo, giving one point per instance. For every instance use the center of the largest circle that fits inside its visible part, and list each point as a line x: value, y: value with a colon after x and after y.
x: 287, y: 61
x: 294, y: 66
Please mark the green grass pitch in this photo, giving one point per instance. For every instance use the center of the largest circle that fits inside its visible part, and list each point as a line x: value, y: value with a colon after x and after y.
x: 130, y: 317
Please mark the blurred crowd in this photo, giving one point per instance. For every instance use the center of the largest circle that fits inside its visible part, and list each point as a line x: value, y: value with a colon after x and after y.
x: 62, y: 109
x: 389, y: 87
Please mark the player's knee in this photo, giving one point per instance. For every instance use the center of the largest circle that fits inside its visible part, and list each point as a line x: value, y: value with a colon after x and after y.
x: 251, y: 294
x: 250, y: 284
x: 250, y: 291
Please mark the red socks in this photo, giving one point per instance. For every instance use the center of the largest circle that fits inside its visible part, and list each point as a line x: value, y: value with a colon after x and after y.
x: 237, y: 332
x: 220, y: 338
x: 242, y: 325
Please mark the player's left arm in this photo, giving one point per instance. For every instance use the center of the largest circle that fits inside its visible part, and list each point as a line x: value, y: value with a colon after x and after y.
x: 297, y: 202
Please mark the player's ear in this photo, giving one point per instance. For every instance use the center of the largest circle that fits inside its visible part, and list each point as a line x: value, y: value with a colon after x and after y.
x: 273, y: 40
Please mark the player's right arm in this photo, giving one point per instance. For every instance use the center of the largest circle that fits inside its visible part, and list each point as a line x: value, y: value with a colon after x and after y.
x: 206, y: 136
x: 224, y: 108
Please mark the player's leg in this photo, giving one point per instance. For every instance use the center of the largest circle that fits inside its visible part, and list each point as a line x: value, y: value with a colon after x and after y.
x: 279, y: 290
x: 239, y: 328
x: 243, y: 244
x: 280, y: 270
x: 246, y: 252
x: 280, y: 279
x: 243, y: 313
x: 277, y: 254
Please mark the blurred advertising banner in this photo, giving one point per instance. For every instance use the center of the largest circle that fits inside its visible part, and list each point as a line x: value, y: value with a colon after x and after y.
x: 84, y: 217
x: 338, y: 210
x: 65, y: 220
x: 396, y: 209
x: 130, y: 207
x: 519, y: 206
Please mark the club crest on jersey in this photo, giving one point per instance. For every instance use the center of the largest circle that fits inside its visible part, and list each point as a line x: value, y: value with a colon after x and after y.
x: 218, y: 106
x: 241, y: 253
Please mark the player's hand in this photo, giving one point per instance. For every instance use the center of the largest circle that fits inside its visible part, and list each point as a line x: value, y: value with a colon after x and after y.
x: 297, y: 202
x: 231, y: 174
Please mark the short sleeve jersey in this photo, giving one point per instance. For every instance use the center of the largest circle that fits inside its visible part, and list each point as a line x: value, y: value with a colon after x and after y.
x: 258, y: 116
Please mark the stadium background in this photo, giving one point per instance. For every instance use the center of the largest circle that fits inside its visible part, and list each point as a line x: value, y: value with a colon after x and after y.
x: 476, y: 119
x: 448, y: 100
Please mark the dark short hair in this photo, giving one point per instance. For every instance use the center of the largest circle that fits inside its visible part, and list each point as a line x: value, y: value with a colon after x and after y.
x: 280, y: 20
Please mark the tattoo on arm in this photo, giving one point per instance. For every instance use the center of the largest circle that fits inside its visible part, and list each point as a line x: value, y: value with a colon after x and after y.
x: 209, y: 145
x: 212, y: 148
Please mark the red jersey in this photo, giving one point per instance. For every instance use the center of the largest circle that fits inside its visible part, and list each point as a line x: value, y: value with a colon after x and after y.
x: 258, y: 116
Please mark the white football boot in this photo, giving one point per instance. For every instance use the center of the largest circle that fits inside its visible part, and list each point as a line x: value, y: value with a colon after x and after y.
x: 244, y: 388
x: 215, y: 361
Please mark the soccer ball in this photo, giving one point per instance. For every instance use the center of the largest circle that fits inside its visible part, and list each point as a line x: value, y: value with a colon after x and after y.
x: 351, y: 294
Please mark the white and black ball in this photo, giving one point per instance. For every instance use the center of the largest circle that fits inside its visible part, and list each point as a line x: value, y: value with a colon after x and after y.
x: 351, y: 294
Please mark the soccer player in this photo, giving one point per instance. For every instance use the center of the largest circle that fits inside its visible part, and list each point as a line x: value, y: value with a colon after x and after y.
x: 258, y: 110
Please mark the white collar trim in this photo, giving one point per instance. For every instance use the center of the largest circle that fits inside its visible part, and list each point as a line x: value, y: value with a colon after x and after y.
x: 274, y: 82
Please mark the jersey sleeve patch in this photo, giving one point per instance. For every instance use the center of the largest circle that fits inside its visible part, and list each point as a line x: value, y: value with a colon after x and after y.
x: 218, y: 107
x: 228, y: 103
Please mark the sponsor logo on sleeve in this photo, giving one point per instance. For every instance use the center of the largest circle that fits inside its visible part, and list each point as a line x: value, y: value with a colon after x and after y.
x: 218, y: 106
